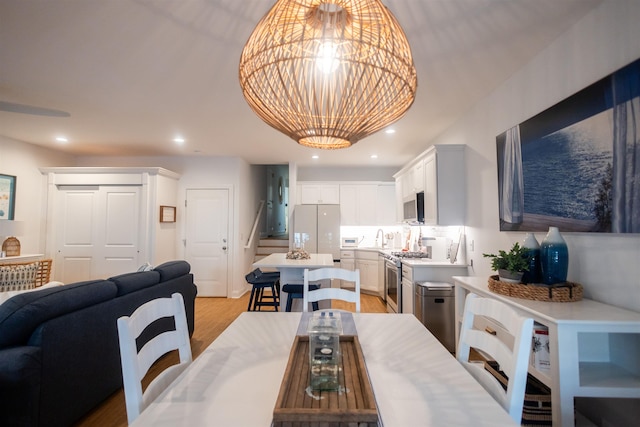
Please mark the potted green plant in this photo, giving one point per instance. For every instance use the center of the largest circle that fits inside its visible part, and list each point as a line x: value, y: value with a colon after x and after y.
x: 510, y: 265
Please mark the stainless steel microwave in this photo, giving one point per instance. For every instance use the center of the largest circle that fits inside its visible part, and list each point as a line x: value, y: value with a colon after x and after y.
x: 413, y: 210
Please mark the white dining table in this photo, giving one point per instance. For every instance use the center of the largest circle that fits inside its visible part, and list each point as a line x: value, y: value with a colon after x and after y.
x: 292, y: 271
x: 236, y: 380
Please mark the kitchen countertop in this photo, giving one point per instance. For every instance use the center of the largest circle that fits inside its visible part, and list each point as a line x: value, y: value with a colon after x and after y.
x: 411, y: 262
x: 421, y: 262
x: 369, y: 249
x: 279, y: 260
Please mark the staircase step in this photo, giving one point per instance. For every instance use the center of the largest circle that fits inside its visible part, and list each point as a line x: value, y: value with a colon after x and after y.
x: 266, y: 250
x: 274, y: 242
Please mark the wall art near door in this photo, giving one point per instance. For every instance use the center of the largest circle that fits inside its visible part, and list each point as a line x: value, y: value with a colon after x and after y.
x: 576, y: 165
x: 7, y: 196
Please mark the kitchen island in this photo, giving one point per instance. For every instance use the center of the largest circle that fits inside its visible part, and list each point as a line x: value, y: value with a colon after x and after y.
x: 292, y: 270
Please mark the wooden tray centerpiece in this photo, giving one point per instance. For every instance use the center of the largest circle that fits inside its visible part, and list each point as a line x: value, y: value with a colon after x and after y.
x: 298, y: 406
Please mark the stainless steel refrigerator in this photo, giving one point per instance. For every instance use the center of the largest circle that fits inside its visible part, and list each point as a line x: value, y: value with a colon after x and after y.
x: 317, y: 227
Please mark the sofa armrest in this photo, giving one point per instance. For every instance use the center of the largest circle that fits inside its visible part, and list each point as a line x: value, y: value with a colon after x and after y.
x: 19, y: 365
x: 20, y: 379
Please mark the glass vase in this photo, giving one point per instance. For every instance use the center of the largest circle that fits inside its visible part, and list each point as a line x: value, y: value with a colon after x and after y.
x: 554, y: 258
x: 533, y: 275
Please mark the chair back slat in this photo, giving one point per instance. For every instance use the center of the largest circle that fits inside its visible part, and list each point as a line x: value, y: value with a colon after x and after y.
x: 513, y: 361
x: 136, y: 364
x: 328, y: 293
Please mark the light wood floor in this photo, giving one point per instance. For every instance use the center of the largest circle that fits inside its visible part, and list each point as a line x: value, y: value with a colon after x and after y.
x: 212, y: 316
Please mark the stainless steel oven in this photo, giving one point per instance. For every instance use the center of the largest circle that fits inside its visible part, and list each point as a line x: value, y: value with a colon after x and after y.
x: 393, y: 283
x: 393, y: 278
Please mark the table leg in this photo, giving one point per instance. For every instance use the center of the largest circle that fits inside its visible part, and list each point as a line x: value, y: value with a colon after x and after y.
x: 565, y: 374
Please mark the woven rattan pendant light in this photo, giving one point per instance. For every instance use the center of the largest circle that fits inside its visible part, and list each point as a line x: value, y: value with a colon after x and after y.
x: 328, y: 74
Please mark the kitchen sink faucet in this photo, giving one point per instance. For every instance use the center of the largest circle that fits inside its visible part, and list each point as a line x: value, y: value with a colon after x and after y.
x: 380, y: 232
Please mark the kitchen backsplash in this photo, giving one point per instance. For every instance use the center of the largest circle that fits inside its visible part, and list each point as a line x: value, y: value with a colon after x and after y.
x: 399, y: 237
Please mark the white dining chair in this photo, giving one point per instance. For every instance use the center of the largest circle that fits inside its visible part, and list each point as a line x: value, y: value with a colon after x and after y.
x: 135, y: 364
x: 328, y: 293
x: 512, y: 361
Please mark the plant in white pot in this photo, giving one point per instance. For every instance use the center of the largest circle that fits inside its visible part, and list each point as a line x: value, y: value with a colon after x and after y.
x: 510, y: 265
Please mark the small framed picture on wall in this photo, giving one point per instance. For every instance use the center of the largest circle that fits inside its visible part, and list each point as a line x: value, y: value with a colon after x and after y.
x: 167, y: 214
x: 7, y: 196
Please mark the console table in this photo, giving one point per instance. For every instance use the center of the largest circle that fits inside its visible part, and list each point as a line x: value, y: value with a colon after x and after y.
x: 594, y: 347
x: 21, y: 258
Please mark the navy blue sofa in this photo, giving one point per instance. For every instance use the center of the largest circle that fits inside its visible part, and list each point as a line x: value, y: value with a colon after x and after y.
x: 59, y: 352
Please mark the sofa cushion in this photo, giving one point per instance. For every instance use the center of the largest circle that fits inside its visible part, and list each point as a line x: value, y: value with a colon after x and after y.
x: 18, y: 277
x: 4, y: 296
x: 131, y: 282
x: 22, y: 314
x: 172, y: 269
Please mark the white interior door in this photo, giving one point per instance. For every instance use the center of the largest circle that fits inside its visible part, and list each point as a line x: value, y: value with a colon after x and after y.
x: 97, y: 231
x: 207, y: 234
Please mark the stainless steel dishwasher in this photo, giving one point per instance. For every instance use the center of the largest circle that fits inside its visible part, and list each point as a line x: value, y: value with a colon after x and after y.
x: 434, y: 306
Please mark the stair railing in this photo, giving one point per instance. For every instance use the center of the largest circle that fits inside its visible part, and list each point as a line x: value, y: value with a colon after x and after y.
x: 255, y: 225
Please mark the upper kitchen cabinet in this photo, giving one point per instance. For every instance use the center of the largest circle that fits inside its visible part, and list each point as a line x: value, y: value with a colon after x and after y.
x: 444, y: 185
x: 318, y: 194
x: 412, y: 180
x: 367, y: 204
x: 386, y: 208
x: 443, y: 171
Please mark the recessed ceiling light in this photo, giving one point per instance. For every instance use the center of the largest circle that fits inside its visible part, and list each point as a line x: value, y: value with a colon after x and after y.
x: 315, y: 156
x: 374, y: 156
x: 178, y: 140
x: 61, y: 139
x: 390, y: 131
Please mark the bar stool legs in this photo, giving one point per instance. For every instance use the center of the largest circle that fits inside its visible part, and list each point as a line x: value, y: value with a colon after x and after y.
x: 295, y: 292
x: 258, y: 298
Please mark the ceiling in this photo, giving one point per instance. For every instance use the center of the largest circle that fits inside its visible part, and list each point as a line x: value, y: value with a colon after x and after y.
x: 133, y: 74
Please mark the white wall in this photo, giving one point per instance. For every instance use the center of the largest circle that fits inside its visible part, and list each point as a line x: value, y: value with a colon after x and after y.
x: 607, y: 265
x: 23, y: 160
x: 166, y: 232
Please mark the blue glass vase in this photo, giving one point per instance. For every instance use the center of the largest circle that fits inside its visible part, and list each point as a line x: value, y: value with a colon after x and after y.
x: 554, y: 258
x: 533, y: 248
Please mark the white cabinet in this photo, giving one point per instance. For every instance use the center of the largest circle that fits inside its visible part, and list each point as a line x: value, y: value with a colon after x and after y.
x: 445, y: 185
x: 367, y: 263
x: 318, y: 194
x: 442, y: 169
x: 412, y: 180
x: 430, y: 191
x: 348, y: 260
x: 386, y: 205
x: 367, y: 204
x: 406, y: 292
x: 407, y: 296
x: 368, y: 275
x: 417, y: 177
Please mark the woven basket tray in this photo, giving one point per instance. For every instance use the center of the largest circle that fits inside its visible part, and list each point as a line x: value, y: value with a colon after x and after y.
x: 564, y: 292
